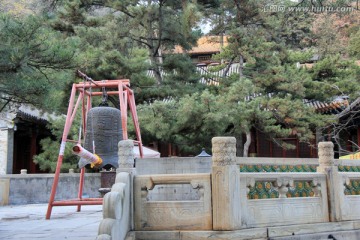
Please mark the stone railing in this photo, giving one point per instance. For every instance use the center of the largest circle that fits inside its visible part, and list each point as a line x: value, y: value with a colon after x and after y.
x: 116, y: 210
x: 326, y: 200
x: 344, y: 198
x: 227, y: 199
x: 118, y: 203
x: 189, y: 210
x: 281, y: 209
x: 264, y: 161
x: 349, y: 198
x: 257, y: 164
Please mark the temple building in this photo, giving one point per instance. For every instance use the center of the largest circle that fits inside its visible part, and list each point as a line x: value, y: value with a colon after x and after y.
x: 21, y: 129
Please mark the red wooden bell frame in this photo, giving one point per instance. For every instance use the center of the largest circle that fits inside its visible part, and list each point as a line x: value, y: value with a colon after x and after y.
x: 84, y: 92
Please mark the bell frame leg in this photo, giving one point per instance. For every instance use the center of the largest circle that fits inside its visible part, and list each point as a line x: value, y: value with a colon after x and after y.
x: 70, y: 113
x: 130, y: 95
x: 123, y: 109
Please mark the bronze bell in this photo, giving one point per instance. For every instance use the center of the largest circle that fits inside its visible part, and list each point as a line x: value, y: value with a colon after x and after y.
x: 104, y: 127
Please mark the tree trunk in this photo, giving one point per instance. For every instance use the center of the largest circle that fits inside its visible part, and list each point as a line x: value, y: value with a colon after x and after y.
x: 241, y: 67
x: 161, y: 61
x: 153, y: 49
x: 228, y: 68
x: 5, y: 104
x: 156, y: 68
x: 221, y: 23
x: 247, y: 144
x: 239, y: 145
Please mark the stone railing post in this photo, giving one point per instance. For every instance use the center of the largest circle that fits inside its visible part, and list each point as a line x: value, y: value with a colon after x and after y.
x: 327, y: 166
x: 126, y: 164
x: 225, y: 184
x: 126, y: 157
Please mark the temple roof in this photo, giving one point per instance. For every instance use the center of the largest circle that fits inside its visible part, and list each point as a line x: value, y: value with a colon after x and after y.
x: 205, y: 44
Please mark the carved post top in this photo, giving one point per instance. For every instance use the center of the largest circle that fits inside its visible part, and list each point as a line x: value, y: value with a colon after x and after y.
x: 326, y: 154
x: 220, y: 140
x: 126, y: 154
x: 325, y: 145
x: 126, y: 144
x: 223, y: 151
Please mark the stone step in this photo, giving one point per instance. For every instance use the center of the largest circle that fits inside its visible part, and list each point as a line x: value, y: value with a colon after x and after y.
x: 254, y: 233
x: 238, y: 235
x: 311, y: 229
x: 340, y: 235
x: 346, y: 230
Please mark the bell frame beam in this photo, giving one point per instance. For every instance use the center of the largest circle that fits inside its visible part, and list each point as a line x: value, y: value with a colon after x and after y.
x: 85, y: 92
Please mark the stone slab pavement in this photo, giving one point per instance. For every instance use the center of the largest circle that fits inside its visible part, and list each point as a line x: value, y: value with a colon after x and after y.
x: 20, y: 222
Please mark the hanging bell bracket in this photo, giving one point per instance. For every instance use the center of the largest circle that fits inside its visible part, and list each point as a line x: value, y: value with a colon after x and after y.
x: 104, y: 98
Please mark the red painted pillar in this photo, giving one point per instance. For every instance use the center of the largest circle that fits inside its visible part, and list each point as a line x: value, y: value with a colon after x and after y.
x: 32, y: 167
x: 257, y: 143
x: 169, y: 150
x: 297, y: 147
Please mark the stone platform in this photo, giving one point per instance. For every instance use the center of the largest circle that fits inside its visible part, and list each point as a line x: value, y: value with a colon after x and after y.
x: 347, y: 230
x: 28, y: 222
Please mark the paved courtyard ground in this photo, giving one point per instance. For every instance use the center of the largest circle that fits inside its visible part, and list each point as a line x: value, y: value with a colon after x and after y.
x: 28, y: 222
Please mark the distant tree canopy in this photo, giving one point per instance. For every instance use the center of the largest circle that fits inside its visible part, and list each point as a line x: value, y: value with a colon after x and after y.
x: 354, y: 45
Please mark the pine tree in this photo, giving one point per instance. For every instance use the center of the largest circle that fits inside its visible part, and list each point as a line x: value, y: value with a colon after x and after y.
x: 35, y: 61
x: 269, y: 92
x: 47, y: 159
x: 114, y: 35
x: 354, y: 45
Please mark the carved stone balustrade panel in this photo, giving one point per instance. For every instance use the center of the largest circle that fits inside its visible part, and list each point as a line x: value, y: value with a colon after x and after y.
x: 271, y: 199
x: 159, y: 213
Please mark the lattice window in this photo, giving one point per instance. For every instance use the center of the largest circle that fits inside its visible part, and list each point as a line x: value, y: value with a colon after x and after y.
x: 204, y: 58
x: 264, y: 190
x: 353, y: 188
